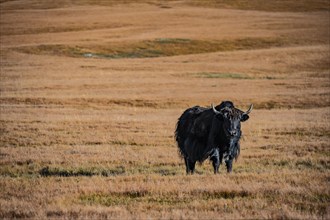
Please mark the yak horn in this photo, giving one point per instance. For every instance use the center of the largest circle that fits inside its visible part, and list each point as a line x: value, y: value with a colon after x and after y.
x: 214, y: 110
x: 249, y: 110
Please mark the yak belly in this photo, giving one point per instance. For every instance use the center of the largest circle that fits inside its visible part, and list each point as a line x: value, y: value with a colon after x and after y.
x: 196, y: 149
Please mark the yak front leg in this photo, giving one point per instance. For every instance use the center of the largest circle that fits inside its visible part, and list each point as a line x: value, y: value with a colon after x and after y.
x: 229, y: 164
x: 215, y: 157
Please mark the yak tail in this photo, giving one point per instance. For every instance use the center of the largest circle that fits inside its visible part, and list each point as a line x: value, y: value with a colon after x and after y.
x: 179, y: 140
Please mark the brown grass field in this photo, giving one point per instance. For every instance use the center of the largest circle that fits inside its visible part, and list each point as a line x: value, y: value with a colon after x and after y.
x: 91, y: 91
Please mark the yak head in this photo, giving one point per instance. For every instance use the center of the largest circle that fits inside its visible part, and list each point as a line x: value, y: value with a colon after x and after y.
x: 231, y: 119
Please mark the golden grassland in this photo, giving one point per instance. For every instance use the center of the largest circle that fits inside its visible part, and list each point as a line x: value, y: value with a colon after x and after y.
x: 91, y: 92
x: 281, y: 6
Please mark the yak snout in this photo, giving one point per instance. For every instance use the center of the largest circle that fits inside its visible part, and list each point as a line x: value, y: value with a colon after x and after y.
x: 233, y: 133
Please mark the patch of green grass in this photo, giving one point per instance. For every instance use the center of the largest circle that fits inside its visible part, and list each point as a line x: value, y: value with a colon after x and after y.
x: 304, y: 202
x: 163, y: 170
x: 274, y: 6
x: 303, y: 132
x: 81, y: 171
x: 55, y: 29
x: 115, y: 198
x: 172, y: 40
x: 167, y: 170
x: 321, y: 165
x: 53, y: 49
x: 260, y: 5
x: 160, y: 47
x: 223, y: 194
x: 26, y: 169
x: 41, y: 4
x: 215, y: 75
x: 300, y: 164
x: 36, y: 169
x: 153, y: 198
x: 15, y: 170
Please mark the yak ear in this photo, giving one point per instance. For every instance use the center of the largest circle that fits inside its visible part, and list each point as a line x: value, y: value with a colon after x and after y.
x: 245, y: 117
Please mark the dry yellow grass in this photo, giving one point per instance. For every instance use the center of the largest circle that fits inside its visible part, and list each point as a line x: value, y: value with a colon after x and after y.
x: 91, y: 92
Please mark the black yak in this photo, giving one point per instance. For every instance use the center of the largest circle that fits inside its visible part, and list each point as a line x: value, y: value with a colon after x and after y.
x: 213, y: 133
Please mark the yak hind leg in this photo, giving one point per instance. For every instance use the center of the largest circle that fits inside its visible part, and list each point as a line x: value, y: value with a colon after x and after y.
x: 190, y: 166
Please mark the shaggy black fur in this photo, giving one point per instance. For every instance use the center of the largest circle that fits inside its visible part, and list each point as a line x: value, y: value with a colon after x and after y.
x: 203, y: 133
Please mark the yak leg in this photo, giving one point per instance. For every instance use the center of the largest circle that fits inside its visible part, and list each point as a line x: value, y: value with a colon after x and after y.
x: 187, y: 165
x: 190, y: 166
x: 229, y: 165
x: 220, y: 158
x: 216, y: 160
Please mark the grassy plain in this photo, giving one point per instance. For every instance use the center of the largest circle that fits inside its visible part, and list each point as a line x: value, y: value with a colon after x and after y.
x: 91, y: 92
